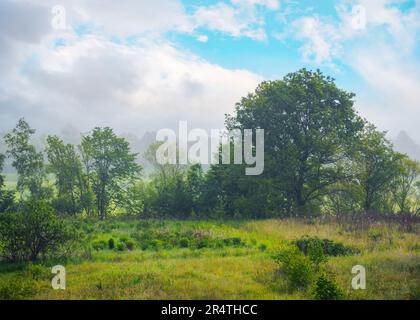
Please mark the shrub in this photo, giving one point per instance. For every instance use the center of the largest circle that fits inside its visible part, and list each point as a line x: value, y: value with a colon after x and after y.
x: 183, y: 243
x: 100, y: 245
x: 37, y: 272
x: 111, y: 244
x: 130, y: 245
x: 262, y: 247
x: 16, y: 288
x: 297, y: 267
x: 120, y: 246
x: 33, y: 231
x: 329, y: 247
x: 327, y: 289
x: 316, y: 254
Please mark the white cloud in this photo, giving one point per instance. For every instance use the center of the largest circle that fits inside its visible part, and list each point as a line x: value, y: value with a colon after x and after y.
x: 202, y: 38
x: 93, y: 81
x: 318, y: 36
x: 128, y: 17
x: 240, y: 18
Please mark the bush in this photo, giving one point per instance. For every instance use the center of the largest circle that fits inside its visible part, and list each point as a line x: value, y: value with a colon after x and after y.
x: 37, y: 272
x: 262, y: 247
x: 327, y: 289
x: 33, y: 231
x: 100, y: 245
x: 111, y: 244
x: 297, y: 267
x: 316, y: 254
x: 16, y: 289
x: 329, y: 247
x: 183, y: 243
x: 130, y: 245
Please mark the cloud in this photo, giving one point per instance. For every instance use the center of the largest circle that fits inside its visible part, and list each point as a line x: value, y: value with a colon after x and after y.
x: 320, y: 39
x: 202, y: 38
x: 93, y: 81
x: 240, y: 18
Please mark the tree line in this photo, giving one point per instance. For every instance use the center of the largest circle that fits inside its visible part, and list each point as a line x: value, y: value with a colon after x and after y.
x: 321, y: 157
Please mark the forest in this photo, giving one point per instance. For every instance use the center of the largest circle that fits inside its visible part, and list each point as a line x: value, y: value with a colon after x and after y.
x: 333, y: 194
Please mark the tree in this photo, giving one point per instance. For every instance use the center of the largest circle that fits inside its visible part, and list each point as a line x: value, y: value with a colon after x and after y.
x: 112, y: 164
x: 168, y: 193
x: 309, y: 124
x: 65, y: 164
x: 33, y: 231
x: 87, y: 196
x: 403, y: 186
x: 28, y: 163
x: 376, y: 165
x: 6, y: 196
x: 195, y: 186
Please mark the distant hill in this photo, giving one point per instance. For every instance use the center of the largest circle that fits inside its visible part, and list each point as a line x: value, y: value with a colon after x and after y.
x: 404, y: 144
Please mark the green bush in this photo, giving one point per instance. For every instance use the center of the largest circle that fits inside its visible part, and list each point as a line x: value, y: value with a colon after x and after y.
x: 297, y: 267
x: 130, y: 245
x: 120, y: 246
x: 327, y: 289
x: 262, y: 247
x: 111, y: 244
x: 32, y: 232
x: 329, y: 247
x: 37, y: 272
x: 184, y: 243
x: 100, y: 245
x: 16, y: 288
x: 316, y: 254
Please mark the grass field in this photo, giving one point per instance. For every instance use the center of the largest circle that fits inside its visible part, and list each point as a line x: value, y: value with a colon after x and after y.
x: 215, y: 260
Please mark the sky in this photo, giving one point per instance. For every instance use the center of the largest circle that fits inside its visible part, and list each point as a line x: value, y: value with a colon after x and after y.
x: 140, y: 65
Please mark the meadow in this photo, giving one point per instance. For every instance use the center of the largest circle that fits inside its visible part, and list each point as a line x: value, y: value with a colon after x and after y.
x: 127, y: 258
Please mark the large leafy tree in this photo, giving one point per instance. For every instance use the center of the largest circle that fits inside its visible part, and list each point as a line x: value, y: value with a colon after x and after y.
x: 28, y: 163
x: 403, y: 186
x: 64, y: 163
x: 309, y: 124
x: 376, y: 166
x: 112, y: 166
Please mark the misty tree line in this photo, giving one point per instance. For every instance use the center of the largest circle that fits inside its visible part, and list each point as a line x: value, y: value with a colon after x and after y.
x: 321, y: 157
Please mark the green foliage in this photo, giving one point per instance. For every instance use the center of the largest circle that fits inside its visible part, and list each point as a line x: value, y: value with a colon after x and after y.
x: 308, y: 124
x: 28, y: 163
x: 375, y: 166
x: 16, y: 288
x: 6, y: 196
x: 403, y: 186
x: 327, y: 289
x: 65, y: 164
x: 33, y: 231
x: 111, y: 166
x: 101, y: 245
x: 297, y: 268
x: 38, y: 272
x: 111, y: 244
x: 317, y: 247
x: 151, y: 236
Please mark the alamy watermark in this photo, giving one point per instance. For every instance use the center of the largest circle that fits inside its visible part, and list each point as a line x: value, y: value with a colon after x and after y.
x: 59, y: 17
x: 58, y: 282
x: 199, y: 146
x: 359, y: 280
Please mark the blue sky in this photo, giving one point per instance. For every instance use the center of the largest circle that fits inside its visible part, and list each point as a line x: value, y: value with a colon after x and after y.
x: 143, y: 65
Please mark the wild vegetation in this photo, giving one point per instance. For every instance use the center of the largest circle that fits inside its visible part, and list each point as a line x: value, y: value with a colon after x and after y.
x: 333, y: 194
